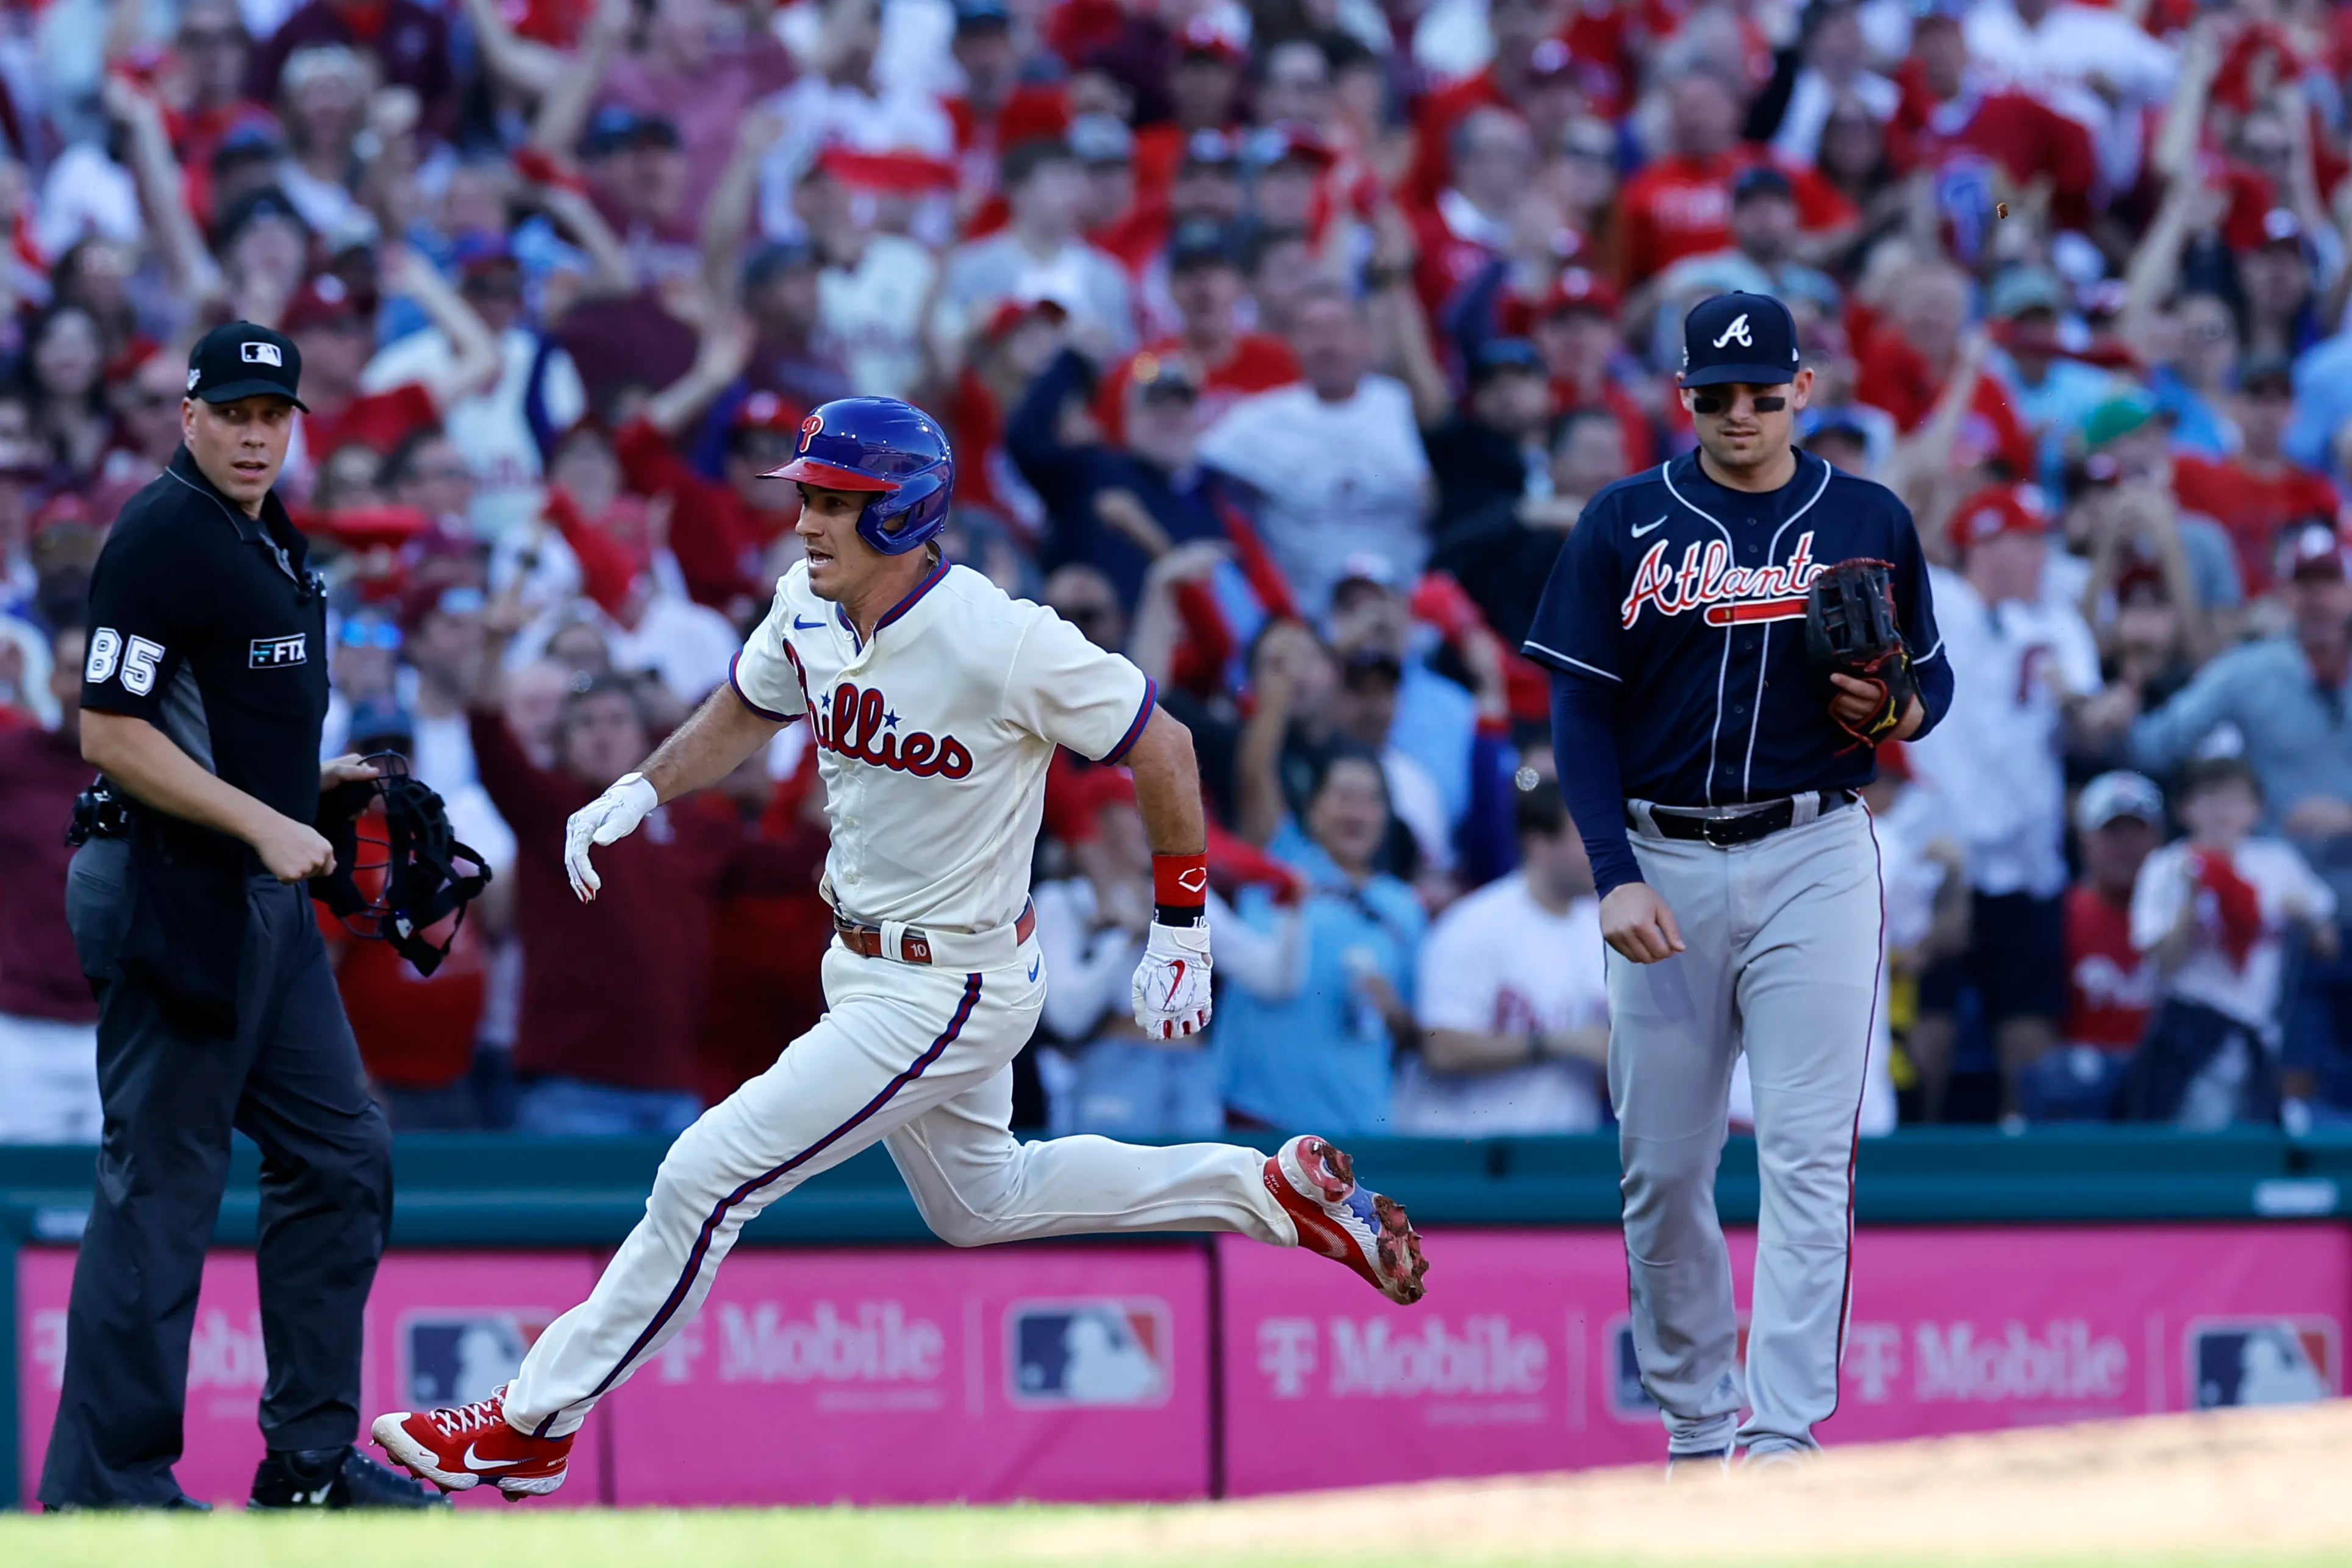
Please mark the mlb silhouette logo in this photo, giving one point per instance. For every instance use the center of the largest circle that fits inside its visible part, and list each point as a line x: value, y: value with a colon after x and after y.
x: 1101, y: 1353
x: 456, y: 1358
x: 1628, y: 1400
x: 2262, y: 1361
x: 261, y: 354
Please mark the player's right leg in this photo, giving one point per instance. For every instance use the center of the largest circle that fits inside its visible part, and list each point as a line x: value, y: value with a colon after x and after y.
x: 976, y: 1184
x: 898, y: 1038
x: 1672, y: 1042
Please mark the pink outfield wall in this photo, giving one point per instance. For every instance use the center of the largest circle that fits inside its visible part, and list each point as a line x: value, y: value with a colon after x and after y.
x: 440, y: 1326
x: 1078, y: 1374
x: 1519, y: 1358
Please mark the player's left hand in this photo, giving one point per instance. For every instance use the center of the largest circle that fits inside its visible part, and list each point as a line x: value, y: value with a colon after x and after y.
x: 610, y: 816
x: 1171, y: 985
x: 1859, y: 704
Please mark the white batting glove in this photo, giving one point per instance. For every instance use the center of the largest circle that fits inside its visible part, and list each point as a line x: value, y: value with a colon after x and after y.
x: 610, y: 816
x: 1171, y: 985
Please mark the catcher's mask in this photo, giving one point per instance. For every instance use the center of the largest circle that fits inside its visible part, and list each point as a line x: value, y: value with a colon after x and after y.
x: 417, y: 881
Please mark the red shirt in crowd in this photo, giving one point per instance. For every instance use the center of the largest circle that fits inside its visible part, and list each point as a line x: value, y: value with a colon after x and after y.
x: 616, y: 992
x: 2251, y: 506
x: 377, y: 421
x: 713, y: 530
x: 1897, y: 376
x: 1260, y: 361
x: 2025, y: 137
x: 2110, y: 985
x: 1680, y: 205
x: 41, y: 771
x: 1641, y: 437
x: 767, y: 952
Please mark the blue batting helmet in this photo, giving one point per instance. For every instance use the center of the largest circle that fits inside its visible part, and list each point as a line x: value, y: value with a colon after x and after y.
x: 891, y: 448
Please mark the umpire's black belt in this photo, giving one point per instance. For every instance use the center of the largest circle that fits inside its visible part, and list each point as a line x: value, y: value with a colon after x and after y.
x: 1743, y: 827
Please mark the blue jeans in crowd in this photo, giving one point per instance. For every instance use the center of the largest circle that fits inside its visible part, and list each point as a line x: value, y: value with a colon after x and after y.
x: 569, y: 1108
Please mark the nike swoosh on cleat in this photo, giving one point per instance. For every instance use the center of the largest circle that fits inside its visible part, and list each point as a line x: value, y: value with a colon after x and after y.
x: 1649, y: 527
x: 479, y: 1464
x: 800, y: 625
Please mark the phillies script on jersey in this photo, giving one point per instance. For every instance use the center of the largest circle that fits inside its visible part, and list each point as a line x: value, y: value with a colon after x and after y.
x: 861, y: 724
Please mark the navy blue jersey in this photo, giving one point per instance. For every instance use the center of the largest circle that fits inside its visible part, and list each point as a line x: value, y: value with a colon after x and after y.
x: 1686, y: 600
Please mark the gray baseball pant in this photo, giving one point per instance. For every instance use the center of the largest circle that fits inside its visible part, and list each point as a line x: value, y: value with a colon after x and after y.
x: 1782, y: 940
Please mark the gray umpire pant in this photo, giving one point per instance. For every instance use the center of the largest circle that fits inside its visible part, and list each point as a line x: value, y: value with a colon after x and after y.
x: 291, y: 1080
x: 1782, y: 941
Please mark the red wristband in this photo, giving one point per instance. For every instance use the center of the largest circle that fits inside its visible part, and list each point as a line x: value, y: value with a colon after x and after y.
x: 1181, y: 881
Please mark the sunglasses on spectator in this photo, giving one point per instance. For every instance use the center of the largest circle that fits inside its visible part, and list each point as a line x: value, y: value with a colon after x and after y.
x: 369, y: 633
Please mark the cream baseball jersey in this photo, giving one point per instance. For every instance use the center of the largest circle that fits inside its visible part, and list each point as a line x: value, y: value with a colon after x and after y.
x: 933, y: 737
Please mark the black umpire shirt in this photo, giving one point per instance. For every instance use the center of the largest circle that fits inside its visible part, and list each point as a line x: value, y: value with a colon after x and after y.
x: 209, y: 624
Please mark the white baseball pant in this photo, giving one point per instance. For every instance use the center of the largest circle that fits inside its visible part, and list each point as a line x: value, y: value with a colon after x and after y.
x: 918, y: 1059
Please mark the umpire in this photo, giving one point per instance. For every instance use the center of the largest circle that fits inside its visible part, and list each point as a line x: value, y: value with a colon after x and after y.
x: 202, y: 703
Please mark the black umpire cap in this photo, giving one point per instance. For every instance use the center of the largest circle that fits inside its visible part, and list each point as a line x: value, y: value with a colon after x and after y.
x: 242, y: 359
x: 1737, y: 337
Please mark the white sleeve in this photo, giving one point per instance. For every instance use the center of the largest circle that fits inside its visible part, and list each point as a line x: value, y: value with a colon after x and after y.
x: 1269, y: 962
x: 2157, y: 897
x: 762, y: 673
x: 1455, y: 982
x: 1067, y: 690
x: 2078, y: 655
x: 2297, y: 892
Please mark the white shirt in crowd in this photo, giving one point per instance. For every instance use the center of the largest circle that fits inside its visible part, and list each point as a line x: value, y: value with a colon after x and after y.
x: 490, y: 430
x: 1498, y: 962
x: 2056, y: 60
x: 934, y: 737
x: 2286, y: 889
x: 1090, y: 966
x: 1995, y: 760
x: 818, y: 113
x: 872, y: 313
x: 1339, y: 478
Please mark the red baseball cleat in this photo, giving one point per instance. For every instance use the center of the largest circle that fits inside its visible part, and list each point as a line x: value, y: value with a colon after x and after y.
x: 460, y: 1448
x: 1316, y: 1184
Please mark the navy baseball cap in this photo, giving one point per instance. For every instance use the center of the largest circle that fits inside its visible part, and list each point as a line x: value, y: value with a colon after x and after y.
x: 1739, y: 337
x: 242, y: 359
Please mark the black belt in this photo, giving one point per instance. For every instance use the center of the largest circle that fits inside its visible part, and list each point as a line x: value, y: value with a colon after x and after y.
x: 1748, y: 826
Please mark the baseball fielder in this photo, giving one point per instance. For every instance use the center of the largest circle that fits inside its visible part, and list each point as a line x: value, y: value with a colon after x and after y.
x: 1743, y: 912
x: 936, y: 702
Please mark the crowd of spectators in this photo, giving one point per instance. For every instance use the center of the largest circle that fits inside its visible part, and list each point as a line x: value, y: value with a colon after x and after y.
x: 1281, y: 343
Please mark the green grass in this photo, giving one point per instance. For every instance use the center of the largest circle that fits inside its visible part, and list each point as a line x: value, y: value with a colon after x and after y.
x: 800, y: 1537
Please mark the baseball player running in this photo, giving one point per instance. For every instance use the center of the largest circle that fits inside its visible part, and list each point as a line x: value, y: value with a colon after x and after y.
x: 936, y: 702
x: 1718, y: 680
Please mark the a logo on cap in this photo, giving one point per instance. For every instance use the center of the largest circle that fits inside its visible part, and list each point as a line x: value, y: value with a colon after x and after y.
x: 1737, y: 333
x: 809, y: 427
x: 268, y: 354
x: 194, y: 375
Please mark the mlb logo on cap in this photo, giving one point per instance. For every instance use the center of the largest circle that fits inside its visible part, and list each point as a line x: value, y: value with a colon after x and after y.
x: 245, y: 360
x: 1749, y: 337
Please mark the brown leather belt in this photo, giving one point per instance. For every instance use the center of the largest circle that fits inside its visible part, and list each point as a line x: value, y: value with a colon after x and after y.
x: 914, y: 946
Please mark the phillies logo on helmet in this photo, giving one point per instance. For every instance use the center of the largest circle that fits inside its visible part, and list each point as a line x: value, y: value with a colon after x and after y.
x: 809, y: 427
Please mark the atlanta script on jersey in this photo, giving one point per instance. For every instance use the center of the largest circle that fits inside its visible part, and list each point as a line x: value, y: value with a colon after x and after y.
x: 1686, y: 598
x: 933, y: 737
